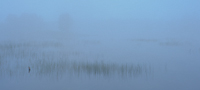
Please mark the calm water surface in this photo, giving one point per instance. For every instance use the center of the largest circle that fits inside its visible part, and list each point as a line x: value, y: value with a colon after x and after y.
x: 95, y: 64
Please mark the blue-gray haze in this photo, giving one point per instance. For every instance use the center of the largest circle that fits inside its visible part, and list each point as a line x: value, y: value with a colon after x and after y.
x: 99, y: 44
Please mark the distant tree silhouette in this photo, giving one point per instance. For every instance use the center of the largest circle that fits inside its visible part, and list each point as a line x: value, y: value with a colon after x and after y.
x: 23, y: 22
x: 64, y: 22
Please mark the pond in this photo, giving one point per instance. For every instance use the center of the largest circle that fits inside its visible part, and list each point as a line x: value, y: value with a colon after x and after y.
x: 87, y: 63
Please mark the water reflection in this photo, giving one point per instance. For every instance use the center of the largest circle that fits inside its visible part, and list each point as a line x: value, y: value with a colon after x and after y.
x: 100, y: 69
x: 45, y: 68
x: 47, y: 60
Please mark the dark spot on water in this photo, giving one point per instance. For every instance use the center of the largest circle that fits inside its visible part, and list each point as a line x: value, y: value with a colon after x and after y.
x: 29, y: 69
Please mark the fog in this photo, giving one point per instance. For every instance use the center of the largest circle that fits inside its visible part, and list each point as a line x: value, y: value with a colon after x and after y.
x: 101, y: 45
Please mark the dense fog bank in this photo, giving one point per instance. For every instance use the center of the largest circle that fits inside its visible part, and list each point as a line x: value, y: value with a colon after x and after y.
x: 99, y: 45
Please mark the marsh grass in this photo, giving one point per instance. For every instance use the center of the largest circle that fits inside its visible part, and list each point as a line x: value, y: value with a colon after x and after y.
x: 48, y: 59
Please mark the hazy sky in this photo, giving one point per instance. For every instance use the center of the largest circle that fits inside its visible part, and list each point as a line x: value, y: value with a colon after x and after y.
x: 103, y: 9
x: 113, y: 17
